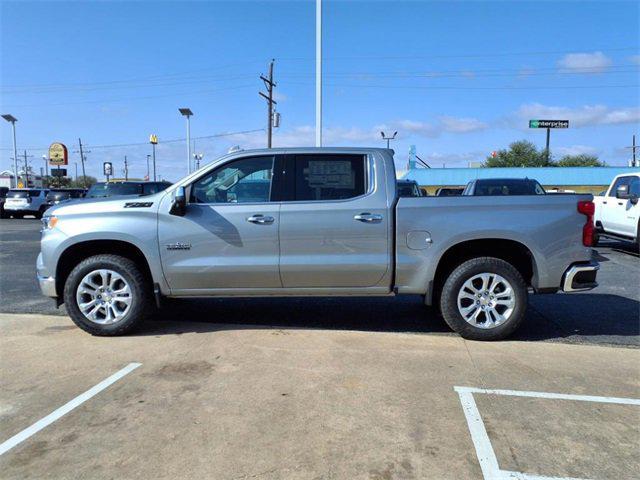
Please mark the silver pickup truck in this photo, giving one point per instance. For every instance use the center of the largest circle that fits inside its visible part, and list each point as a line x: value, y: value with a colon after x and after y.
x: 313, y: 222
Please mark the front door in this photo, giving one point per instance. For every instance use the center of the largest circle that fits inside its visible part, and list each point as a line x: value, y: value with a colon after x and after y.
x: 228, y: 238
x: 334, y: 225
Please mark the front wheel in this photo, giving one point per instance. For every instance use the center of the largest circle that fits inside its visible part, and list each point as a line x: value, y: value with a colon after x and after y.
x: 107, y: 295
x: 484, y: 298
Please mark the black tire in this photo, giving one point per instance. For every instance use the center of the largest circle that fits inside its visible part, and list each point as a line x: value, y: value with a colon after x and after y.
x: 141, y: 294
x: 464, y: 272
x: 40, y: 212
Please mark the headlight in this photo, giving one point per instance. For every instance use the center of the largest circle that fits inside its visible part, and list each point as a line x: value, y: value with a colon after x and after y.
x: 49, y: 222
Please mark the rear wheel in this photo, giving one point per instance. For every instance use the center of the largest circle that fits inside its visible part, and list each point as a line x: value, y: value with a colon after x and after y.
x: 484, y: 298
x: 107, y: 295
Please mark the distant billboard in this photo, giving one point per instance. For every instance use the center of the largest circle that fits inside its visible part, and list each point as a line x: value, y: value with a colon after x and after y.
x: 548, y: 123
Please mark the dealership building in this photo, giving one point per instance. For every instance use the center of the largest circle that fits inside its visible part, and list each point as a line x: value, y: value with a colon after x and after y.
x: 575, y: 179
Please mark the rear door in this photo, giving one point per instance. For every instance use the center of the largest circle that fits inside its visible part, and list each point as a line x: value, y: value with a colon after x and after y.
x: 334, y: 225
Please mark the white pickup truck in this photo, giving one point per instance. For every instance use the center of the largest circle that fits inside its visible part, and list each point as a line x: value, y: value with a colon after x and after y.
x: 617, y: 212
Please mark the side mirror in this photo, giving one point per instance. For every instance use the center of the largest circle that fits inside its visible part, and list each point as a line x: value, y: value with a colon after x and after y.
x: 179, y: 205
x: 622, y: 192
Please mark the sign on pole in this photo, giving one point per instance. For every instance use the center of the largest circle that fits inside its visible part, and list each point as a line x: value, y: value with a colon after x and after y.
x: 58, y: 154
x: 548, y: 123
x: 107, y: 168
x: 59, y: 172
x: 153, y: 139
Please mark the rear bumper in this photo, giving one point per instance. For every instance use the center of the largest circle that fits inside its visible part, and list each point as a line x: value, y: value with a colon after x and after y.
x: 580, y: 277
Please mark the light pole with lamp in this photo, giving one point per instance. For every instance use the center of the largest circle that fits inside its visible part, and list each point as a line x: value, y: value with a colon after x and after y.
x: 384, y: 137
x: 186, y: 112
x: 197, y: 157
x: 12, y: 120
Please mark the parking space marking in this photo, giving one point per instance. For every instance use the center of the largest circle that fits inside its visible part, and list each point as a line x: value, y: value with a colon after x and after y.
x: 484, y: 450
x: 66, y: 408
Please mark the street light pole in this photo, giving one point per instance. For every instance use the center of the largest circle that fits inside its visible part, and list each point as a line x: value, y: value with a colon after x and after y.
x: 384, y: 137
x: 148, y: 173
x: 318, y: 73
x: 12, y: 120
x: 185, y: 112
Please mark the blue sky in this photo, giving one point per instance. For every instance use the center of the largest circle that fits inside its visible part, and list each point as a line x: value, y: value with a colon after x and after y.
x: 456, y: 79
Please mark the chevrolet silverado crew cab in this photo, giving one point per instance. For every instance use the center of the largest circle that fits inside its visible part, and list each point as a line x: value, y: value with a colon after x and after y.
x: 617, y: 212
x: 313, y: 222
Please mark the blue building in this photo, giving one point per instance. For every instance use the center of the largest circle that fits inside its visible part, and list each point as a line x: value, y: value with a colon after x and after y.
x: 576, y: 179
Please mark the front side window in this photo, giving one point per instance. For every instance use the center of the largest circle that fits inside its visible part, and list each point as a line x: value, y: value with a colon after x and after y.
x: 329, y: 177
x: 620, y: 182
x: 243, y: 181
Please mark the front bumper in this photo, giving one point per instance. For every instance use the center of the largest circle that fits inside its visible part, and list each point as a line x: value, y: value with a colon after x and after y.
x: 47, y: 286
x: 580, y: 277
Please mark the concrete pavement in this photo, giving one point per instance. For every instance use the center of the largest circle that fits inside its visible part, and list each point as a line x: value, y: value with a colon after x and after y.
x: 214, y: 400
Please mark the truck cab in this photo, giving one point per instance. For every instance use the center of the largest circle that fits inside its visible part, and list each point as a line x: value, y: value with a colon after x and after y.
x: 617, y: 212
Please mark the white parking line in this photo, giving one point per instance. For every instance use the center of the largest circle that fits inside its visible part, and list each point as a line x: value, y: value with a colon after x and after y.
x: 484, y: 450
x: 66, y: 408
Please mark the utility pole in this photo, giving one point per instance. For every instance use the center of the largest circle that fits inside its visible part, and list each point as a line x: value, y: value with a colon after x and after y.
x: 633, y: 147
x: 26, y: 169
x: 75, y: 164
x: 126, y: 169
x: 84, y: 177
x: 268, y: 82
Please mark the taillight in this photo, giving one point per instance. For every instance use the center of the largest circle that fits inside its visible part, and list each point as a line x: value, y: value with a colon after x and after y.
x: 587, y: 208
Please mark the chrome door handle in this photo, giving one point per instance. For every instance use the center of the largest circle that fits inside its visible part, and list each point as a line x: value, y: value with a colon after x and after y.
x: 367, y: 217
x: 260, y: 219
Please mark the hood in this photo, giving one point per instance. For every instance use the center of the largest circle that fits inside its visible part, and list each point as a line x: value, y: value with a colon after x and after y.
x: 97, y: 206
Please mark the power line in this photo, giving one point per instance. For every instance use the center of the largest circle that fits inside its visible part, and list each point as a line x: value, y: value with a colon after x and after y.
x: 417, y: 87
x: 175, y: 140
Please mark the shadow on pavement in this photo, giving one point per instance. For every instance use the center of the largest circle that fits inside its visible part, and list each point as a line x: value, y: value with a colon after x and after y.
x: 597, y: 318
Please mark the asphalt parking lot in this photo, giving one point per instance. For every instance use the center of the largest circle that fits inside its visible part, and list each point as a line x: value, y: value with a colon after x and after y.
x: 319, y: 388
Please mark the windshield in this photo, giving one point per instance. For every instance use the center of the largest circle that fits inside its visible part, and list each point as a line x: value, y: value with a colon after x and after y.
x: 508, y: 187
x: 23, y: 193
x: 113, y: 189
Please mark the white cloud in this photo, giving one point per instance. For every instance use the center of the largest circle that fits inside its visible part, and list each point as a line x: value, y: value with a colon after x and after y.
x: 635, y: 59
x: 586, y: 115
x: 577, y: 150
x: 461, y: 125
x: 596, y: 62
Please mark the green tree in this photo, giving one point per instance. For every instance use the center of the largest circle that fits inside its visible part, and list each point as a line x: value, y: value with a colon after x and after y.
x: 582, y: 160
x: 519, y: 154
x: 83, y: 181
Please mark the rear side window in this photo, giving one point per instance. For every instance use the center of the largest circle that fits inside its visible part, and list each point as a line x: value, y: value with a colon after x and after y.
x: 634, y: 186
x: 329, y: 177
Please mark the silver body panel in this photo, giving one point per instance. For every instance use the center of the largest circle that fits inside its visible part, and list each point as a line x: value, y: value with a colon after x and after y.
x: 317, y: 247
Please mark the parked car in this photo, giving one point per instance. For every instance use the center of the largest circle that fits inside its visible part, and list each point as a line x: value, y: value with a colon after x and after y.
x: 408, y: 188
x: 25, y: 201
x: 503, y: 186
x: 57, y: 195
x: 617, y: 213
x: 3, y: 197
x: 449, y: 191
x: 116, y: 189
x: 331, y: 224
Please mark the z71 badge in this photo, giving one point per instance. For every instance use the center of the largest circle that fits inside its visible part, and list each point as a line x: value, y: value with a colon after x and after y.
x: 178, y: 246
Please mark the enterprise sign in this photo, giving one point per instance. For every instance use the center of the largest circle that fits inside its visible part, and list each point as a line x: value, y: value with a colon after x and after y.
x: 548, y: 123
